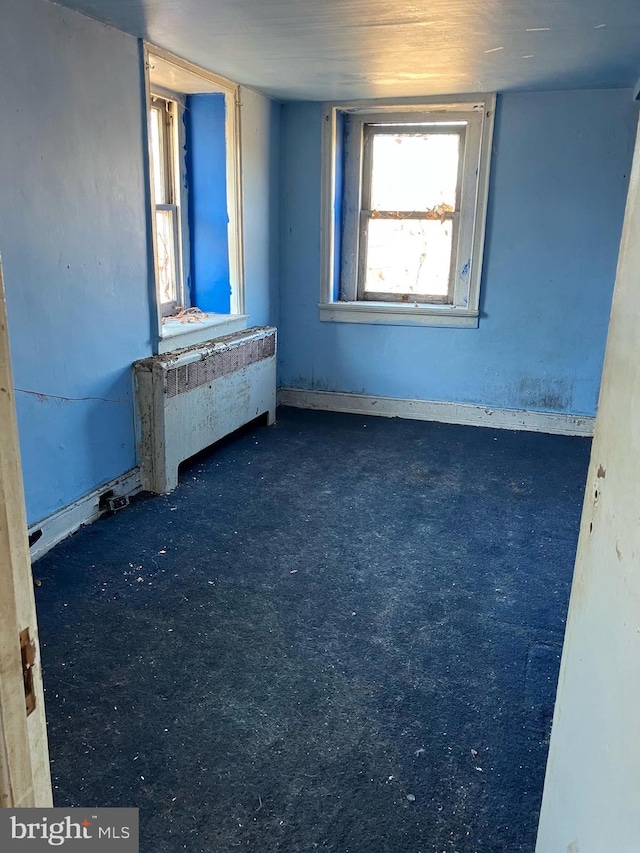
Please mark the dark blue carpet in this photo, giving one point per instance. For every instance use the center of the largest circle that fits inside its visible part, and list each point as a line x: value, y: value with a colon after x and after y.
x: 339, y: 634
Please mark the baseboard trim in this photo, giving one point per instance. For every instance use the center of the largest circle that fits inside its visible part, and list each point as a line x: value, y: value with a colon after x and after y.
x: 62, y: 523
x: 431, y: 410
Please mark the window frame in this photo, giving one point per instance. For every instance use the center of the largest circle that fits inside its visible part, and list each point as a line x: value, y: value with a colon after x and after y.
x: 174, y: 78
x: 172, y: 144
x: 341, y: 261
x: 370, y: 130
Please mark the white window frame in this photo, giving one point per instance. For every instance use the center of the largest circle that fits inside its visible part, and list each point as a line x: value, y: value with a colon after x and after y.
x: 174, y: 78
x: 175, y: 168
x: 463, y: 307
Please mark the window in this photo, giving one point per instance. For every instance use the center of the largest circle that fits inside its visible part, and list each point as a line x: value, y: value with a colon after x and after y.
x: 195, y: 201
x: 167, y: 202
x: 404, y: 203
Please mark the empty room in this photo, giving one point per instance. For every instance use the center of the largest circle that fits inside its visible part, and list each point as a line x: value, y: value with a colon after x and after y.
x: 319, y: 405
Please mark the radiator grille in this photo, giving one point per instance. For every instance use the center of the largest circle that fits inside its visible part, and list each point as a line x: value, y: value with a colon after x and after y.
x: 225, y: 359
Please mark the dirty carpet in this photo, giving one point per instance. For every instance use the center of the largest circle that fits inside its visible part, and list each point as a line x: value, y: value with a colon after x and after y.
x: 338, y: 634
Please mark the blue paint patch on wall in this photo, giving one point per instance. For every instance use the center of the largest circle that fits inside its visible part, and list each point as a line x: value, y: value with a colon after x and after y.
x: 208, y: 211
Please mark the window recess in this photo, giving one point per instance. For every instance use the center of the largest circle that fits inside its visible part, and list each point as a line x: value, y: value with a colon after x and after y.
x: 195, y: 213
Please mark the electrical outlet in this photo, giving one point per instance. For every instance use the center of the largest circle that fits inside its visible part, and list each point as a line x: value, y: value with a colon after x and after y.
x: 114, y: 503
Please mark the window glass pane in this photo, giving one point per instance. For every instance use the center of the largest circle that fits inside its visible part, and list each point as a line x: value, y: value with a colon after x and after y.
x: 414, y: 171
x: 409, y: 256
x: 158, y: 156
x: 165, y: 240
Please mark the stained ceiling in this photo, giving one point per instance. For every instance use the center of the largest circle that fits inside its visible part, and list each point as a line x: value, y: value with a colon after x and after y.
x: 345, y: 49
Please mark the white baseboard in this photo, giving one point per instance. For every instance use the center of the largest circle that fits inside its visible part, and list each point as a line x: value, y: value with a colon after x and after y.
x: 431, y: 410
x: 67, y: 520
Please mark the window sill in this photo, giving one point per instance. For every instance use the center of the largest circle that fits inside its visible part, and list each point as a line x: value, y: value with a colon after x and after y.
x: 176, y: 334
x: 398, y: 314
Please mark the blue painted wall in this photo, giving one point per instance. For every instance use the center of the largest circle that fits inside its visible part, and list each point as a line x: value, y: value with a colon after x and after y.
x: 74, y: 245
x: 73, y: 237
x: 208, y: 212
x: 558, y: 186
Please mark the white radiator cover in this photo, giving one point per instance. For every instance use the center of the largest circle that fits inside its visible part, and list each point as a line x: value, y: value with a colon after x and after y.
x: 189, y: 399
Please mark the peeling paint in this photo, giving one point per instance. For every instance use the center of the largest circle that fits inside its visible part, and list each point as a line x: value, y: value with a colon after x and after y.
x: 44, y: 398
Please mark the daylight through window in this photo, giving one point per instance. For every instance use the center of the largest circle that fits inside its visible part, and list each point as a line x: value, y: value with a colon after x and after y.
x: 164, y: 169
x: 410, y: 211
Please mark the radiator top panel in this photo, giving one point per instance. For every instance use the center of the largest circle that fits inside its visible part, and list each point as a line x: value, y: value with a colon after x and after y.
x: 226, y: 356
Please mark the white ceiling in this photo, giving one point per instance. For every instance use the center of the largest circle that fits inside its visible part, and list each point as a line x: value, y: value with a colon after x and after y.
x: 344, y: 49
